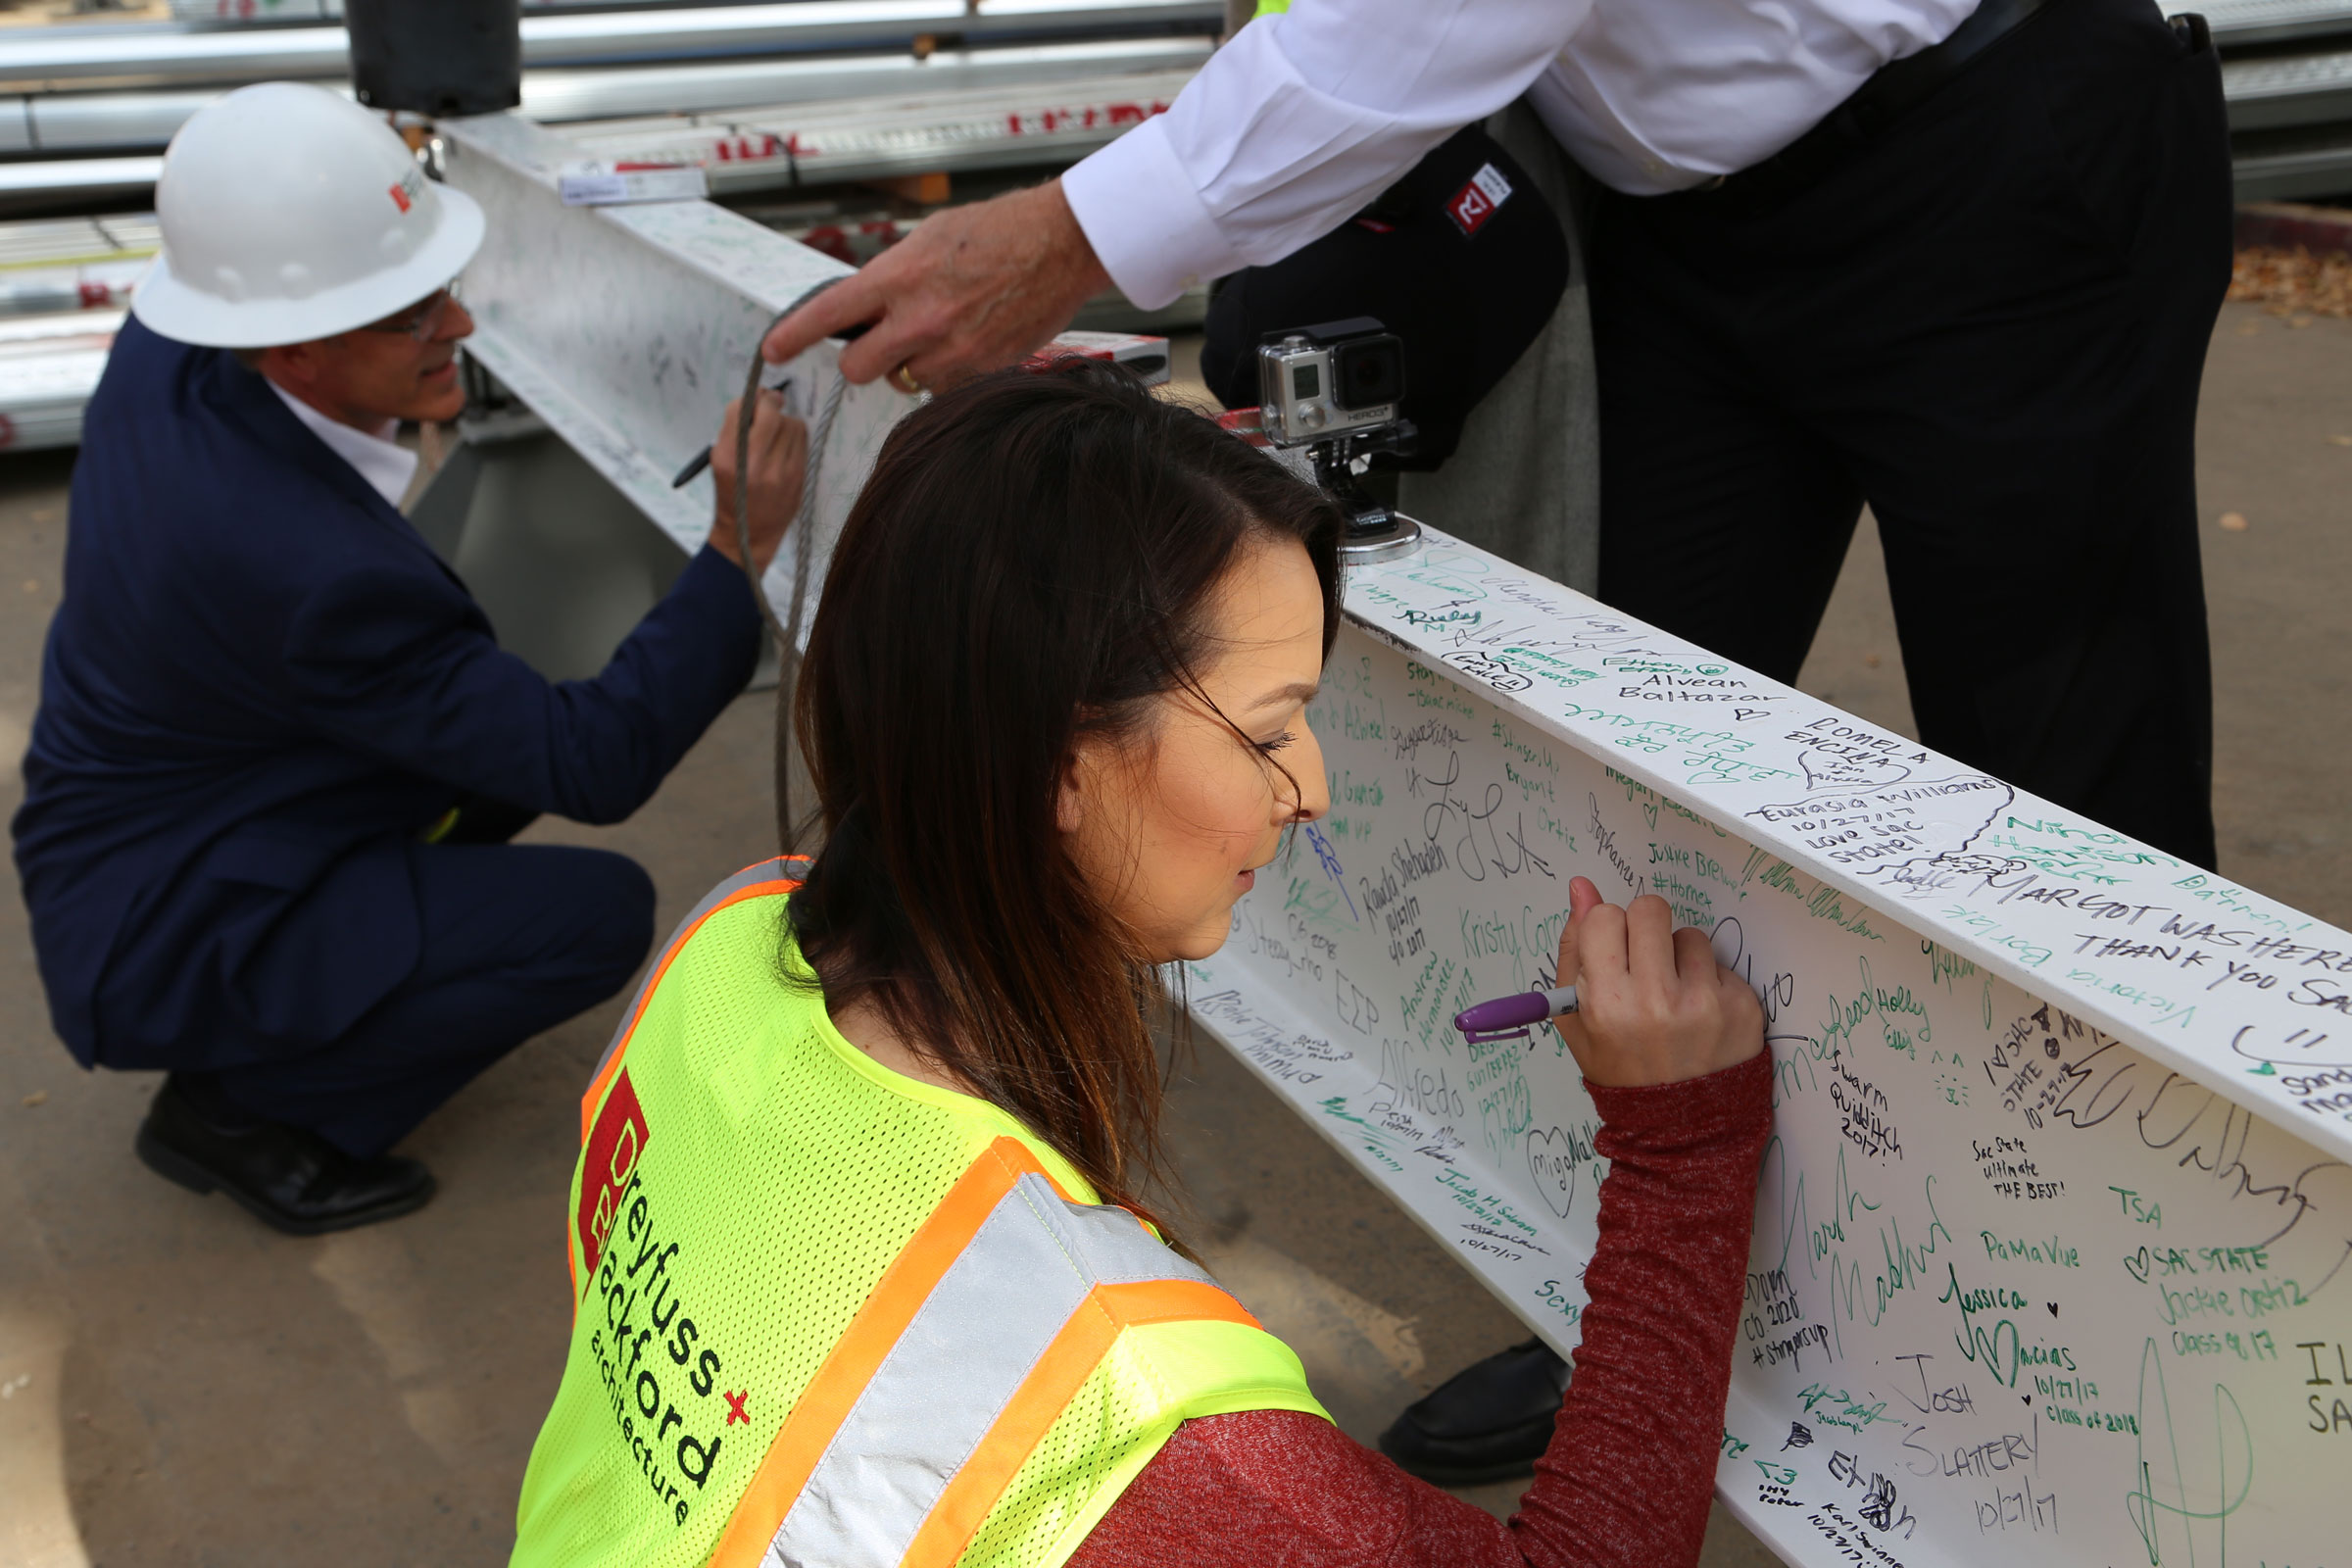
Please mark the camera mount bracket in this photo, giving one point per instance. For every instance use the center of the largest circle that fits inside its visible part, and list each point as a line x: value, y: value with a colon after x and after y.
x: 1375, y: 530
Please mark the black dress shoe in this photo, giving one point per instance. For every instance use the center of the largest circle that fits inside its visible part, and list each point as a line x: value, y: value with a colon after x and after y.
x: 291, y: 1180
x: 1488, y: 1422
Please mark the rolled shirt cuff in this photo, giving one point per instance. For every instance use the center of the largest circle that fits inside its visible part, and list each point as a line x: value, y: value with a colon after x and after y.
x: 1145, y: 218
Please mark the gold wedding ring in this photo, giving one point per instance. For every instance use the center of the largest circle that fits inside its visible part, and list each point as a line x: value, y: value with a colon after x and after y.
x: 904, y: 379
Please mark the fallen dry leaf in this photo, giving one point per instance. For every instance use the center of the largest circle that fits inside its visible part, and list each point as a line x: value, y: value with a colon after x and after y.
x: 37, y: 1096
x: 2233, y: 523
x: 2295, y: 285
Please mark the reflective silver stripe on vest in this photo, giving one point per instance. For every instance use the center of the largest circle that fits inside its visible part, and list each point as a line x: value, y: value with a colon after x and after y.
x: 973, y: 1341
x: 783, y: 868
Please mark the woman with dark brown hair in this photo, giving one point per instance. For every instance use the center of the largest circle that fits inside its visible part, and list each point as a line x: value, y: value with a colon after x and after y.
x: 862, y: 1176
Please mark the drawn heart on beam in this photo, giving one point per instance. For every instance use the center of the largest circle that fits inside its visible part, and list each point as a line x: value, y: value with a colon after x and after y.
x: 1551, y: 1160
x: 2138, y: 1264
x: 2053, y: 1307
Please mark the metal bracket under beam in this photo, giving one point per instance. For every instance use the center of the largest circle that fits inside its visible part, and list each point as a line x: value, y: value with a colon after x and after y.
x: 628, y: 328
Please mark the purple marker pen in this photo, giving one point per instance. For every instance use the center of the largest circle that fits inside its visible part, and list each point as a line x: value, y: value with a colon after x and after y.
x: 1511, y: 1017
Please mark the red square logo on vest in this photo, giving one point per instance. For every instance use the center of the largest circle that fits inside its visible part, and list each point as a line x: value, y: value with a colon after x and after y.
x: 1477, y: 201
x: 614, y: 1146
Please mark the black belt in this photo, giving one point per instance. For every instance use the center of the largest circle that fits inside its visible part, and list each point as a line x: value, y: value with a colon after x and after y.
x: 1893, y: 90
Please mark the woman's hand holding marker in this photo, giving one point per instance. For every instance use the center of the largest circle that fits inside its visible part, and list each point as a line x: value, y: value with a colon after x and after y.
x: 1653, y: 1006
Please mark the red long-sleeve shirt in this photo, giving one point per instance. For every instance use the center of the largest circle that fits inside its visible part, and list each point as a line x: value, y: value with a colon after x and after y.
x: 1632, y: 1461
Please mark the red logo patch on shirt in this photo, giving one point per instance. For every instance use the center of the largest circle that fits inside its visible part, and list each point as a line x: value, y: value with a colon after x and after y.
x: 615, y: 1145
x: 1479, y: 200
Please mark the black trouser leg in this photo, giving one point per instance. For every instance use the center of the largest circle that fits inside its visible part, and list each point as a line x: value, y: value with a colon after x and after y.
x: 1723, y: 519
x: 1991, y: 324
x: 517, y: 940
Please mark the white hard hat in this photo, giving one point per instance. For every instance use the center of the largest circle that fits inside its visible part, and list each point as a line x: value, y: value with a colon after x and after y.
x: 289, y: 212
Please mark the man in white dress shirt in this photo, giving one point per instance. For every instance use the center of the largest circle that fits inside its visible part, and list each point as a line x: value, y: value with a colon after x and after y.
x: 1956, y: 261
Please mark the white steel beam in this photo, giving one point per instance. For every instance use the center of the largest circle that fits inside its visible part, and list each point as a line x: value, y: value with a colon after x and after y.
x: 2058, y: 1202
x: 628, y: 328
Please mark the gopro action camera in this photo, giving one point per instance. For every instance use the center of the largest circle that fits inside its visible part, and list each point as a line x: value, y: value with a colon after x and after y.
x: 1322, y: 381
x: 1330, y: 396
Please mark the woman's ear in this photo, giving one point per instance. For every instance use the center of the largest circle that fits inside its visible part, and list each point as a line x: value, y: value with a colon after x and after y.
x: 1070, y: 794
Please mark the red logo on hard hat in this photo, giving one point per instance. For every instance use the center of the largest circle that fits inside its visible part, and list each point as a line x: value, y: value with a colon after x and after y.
x: 400, y: 198
x: 613, y: 1145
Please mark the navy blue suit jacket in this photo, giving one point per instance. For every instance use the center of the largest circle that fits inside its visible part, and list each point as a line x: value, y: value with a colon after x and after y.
x: 261, y: 685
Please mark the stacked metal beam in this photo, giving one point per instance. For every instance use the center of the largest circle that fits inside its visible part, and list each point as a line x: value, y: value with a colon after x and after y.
x: 132, y: 127
x: 2286, y: 66
x: 63, y: 285
x: 790, y: 146
x: 124, y: 89
x: 87, y: 101
x: 84, y: 108
x: 245, y: 13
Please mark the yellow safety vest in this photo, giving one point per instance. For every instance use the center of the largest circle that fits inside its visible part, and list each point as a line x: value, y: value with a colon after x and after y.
x: 832, y: 1316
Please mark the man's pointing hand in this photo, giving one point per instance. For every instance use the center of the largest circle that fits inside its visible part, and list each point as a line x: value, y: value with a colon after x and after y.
x: 971, y: 289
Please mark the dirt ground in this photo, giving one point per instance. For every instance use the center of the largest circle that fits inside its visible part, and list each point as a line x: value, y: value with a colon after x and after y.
x: 178, y: 1386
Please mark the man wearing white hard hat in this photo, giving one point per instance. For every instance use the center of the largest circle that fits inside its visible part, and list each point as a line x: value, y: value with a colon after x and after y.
x: 278, y: 749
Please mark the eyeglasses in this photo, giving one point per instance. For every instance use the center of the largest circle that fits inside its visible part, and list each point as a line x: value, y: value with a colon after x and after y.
x: 421, y: 321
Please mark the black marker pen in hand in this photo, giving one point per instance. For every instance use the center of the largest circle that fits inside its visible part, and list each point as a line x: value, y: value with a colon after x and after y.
x: 701, y: 460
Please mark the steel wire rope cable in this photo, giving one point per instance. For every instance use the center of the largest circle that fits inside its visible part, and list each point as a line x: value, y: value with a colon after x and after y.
x: 785, y: 632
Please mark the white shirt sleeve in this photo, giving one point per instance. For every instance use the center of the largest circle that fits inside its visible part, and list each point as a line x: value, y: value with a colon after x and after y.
x: 1297, y: 123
